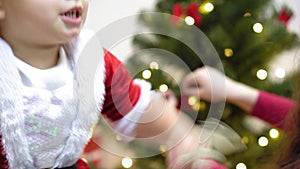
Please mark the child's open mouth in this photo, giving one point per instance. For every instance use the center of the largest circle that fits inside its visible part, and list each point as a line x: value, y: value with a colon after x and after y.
x: 72, y: 16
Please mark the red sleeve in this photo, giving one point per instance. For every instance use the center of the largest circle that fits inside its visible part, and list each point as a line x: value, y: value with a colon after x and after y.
x: 272, y: 108
x: 121, y: 93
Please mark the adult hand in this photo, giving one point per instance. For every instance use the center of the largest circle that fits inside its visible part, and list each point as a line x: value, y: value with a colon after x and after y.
x: 207, y: 83
x: 211, y: 85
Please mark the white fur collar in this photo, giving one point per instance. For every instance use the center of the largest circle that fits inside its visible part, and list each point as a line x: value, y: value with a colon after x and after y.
x: 11, y: 115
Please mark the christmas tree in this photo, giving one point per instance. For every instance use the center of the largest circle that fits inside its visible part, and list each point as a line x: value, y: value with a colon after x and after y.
x: 246, y: 35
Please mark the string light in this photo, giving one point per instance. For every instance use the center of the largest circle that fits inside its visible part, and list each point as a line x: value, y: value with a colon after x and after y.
x: 146, y: 74
x: 247, y: 14
x: 192, y: 100
x: 163, y: 88
x: 258, y: 27
x: 280, y: 73
x: 189, y: 20
x: 262, y: 74
x: 228, y: 52
x: 206, y: 8
x: 118, y: 138
x: 274, y: 133
x: 263, y: 141
x: 154, y: 66
x: 196, y: 106
x: 127, y: 162
x: 162, y: 148
x: 241, y: 166
x: 202, y: 106
x: 245, y: 140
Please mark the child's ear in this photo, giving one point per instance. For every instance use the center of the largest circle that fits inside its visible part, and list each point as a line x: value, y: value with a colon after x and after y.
x: 2, y: 11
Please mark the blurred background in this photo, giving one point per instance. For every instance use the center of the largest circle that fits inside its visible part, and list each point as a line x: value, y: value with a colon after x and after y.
x: 257, y: 42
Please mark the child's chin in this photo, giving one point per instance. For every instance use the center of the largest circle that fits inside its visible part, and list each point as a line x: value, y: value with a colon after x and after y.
x: 72, y: 33
x: 68, y: 38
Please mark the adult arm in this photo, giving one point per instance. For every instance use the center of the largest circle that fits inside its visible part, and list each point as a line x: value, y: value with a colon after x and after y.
x: 266, y: 106
x: 272, y: 108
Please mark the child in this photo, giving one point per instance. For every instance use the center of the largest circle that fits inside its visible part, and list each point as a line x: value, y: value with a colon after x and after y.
x: 43, y: 125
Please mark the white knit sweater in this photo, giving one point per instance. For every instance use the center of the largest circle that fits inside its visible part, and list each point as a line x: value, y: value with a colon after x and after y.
x: 26, y: 127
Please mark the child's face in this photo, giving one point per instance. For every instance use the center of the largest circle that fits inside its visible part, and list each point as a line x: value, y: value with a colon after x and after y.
x: 41, y: 22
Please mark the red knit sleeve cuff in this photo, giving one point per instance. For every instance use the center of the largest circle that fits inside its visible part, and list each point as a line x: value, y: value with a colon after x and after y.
x: 272, y: 108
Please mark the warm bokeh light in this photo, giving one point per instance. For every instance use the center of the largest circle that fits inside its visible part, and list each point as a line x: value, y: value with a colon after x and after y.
x: 262, y: 74
x: 206, y: 8
x: 127, y: 162
x: 258, y: 27
x: 241, y: 166
x: 274, y: 133
x: 263, y: 141
x: 247, y: 14
x: 154, y: 66
x: 163, y: 88
x: 189, y: 20
x: 280, y: 73
x: 245, y: 140
x: 228, y: 52
x: 118, y: 138
x: 146, y: 74
x: 196, y: 106
x: 192, y: 100
x: 162, y: 148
